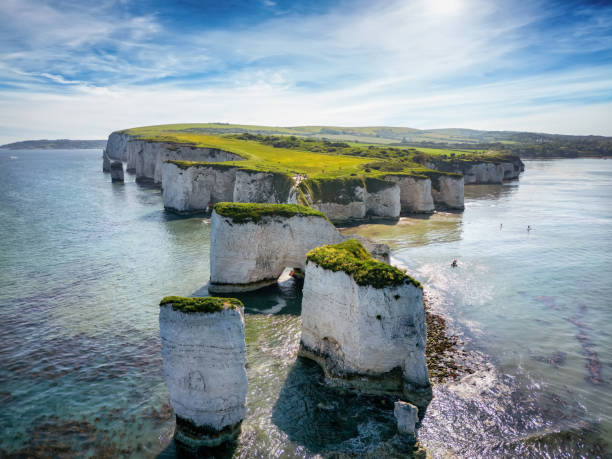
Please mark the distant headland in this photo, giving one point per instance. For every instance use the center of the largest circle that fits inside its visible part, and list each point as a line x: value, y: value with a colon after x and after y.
x: 57, y: 144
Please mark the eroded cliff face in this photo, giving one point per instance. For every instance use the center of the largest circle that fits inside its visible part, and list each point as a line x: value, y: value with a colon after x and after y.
x: 116, y: 146
x: 204, y: 358
x: 357, y: 201
x: 383, y: 202
x: 348, y: 204
x: 415, y: 194
x: 368, y: 339
x: 199, y: 187
x: 196, y: 188
x: 448, y: 192
x: 485, y: 172
x: 260, y: 187
x: 146, y: 158
x: 248, y: 256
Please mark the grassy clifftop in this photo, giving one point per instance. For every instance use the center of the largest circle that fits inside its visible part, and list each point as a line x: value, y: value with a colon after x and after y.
x: 352, y: 258
x: 290, y: 154
x: 206, y: 305
x: 438, y: 141
x: 249, y: 212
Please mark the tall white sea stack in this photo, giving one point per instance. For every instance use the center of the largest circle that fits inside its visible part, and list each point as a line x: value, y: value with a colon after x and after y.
x: 204, y: 356
x: 363, y: 322
x: 251, y: 244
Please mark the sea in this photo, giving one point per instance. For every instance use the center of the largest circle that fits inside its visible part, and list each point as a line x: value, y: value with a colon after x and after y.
x: 84, y: 263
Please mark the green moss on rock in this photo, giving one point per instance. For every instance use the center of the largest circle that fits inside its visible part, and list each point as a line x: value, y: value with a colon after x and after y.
x: 434, y: 176
x: 248, y: 212
x: 375, y: 185
x: 340, y: 190
x: 207, y: 304
x: 352, y: 258
x: 187, y: 164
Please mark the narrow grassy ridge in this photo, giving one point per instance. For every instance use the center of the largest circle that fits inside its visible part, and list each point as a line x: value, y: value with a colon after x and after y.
x: 206, y: 305
x: 247, y: 212
x: 352, y: 258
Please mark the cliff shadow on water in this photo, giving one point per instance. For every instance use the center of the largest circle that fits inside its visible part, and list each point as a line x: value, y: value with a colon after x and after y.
x: 284, y: 298
x: 325, y: 419
x: 225, y: 451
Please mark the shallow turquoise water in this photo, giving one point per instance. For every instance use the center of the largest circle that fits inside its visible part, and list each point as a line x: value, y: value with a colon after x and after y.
x: 83, y: 264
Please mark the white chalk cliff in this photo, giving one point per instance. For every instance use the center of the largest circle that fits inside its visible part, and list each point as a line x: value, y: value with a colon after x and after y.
x: 116, y: 146
x: 365, y: 338
x: 250, y: 255
x: 448, y: 192
x: 204, y: 357
x: 357, y: 200
x: 415, y: 193
x: 145, y: 158
x: 198, y: 187
x: 482, y: 172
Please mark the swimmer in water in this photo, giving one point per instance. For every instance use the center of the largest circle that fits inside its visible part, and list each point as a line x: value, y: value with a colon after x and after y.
x: 454, y: 263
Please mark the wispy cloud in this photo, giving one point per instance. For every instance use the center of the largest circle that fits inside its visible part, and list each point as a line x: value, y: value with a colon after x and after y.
x: 434, y: 63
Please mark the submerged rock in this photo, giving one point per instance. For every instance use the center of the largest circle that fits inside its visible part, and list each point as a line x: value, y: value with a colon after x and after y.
x: 407, y: 416
x: 204, y: 356
x: 116, y: 170
x: 363, y: 322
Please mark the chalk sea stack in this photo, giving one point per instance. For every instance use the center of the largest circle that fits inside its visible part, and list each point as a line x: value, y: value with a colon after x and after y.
x: 407, y: 416
x: 106, y: 162
x: 116, y: 170
x: 363, y: 322
x: 204, y: 357
x: 251, y: 244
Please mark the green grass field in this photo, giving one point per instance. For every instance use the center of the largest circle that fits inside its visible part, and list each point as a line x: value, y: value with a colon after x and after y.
x: 280, y: 150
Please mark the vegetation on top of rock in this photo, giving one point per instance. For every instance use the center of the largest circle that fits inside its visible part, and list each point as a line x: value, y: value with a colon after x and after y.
x: 289, y: 154
x: 443, y: 142
x: 248, y: 212
x: 207, y: 304
x: 352, y: 258
x: 341, y: 190
x: 187, y: 164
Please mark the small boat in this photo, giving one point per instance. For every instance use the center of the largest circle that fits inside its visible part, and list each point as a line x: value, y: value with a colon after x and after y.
x: 13, y: 157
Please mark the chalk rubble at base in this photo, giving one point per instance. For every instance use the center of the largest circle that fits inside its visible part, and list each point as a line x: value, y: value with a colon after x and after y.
x: 407, y: 416
x: 204, y: 356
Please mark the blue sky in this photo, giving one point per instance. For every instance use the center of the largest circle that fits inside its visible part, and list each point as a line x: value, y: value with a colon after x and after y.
x: 80, y: 69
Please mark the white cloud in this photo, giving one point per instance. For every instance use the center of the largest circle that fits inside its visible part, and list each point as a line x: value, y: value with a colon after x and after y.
x: 402, y: 63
